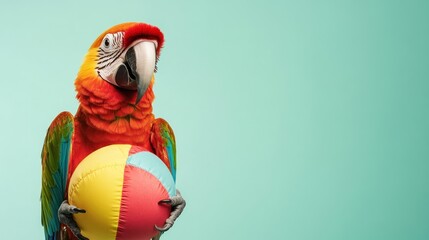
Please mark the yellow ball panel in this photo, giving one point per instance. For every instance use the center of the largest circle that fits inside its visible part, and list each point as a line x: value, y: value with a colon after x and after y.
x: 96, y: 186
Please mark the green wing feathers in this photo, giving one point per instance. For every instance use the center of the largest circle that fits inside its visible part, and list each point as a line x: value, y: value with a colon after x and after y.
x: 164, y: 144
x: 55, y: 158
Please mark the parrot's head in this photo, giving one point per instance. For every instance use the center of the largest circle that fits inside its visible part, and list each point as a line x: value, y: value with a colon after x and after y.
x: 120, y: 64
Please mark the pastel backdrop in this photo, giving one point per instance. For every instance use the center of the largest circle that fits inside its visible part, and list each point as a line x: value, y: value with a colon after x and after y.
x: 294, y: 119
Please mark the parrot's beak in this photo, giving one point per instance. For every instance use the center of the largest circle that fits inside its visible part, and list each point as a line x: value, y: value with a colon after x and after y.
x: 136, y: 71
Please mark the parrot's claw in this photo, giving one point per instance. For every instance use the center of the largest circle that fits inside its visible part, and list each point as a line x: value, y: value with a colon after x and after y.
x: 65, y: 215
x: 177, y: 205
x: 167, y: 201
x: 166, y: 226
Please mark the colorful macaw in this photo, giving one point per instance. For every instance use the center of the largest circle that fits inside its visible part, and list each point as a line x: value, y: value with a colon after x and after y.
x: 114, y: 89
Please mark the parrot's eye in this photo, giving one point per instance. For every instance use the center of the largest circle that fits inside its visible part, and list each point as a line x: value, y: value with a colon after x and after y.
x: 112, y: 42
x: 106, y: 42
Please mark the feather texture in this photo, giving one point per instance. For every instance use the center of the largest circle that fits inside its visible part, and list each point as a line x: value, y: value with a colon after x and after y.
x: 164, y: 143
x: 55, y: 158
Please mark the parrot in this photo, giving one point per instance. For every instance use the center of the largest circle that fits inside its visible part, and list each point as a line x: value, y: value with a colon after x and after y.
x: 115, y: 93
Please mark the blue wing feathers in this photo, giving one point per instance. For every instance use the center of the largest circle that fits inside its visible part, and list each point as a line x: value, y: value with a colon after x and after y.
x: 55, y: 158
x: 171, y: 156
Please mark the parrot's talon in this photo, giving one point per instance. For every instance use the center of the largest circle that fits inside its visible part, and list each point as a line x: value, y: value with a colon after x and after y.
x: 165, y: 201
x: 78, y: 210
x: 65, y: 215
x: 81, y: 237
x: 177, y: 204
x: 164, y: 228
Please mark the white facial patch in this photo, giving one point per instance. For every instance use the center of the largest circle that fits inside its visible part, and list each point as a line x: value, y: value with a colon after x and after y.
x: 109, y: 52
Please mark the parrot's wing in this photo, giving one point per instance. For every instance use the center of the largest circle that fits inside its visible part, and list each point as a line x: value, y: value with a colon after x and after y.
x: 164, y: 143
x: 55, y: 159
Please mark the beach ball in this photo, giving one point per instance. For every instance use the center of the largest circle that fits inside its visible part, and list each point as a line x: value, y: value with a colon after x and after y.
x: 120, y: 186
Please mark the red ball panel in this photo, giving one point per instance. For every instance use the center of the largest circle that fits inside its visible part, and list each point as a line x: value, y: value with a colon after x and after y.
x: 140, y: 211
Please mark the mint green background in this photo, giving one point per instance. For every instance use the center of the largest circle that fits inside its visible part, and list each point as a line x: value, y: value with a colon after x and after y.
x: 294, y: 119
